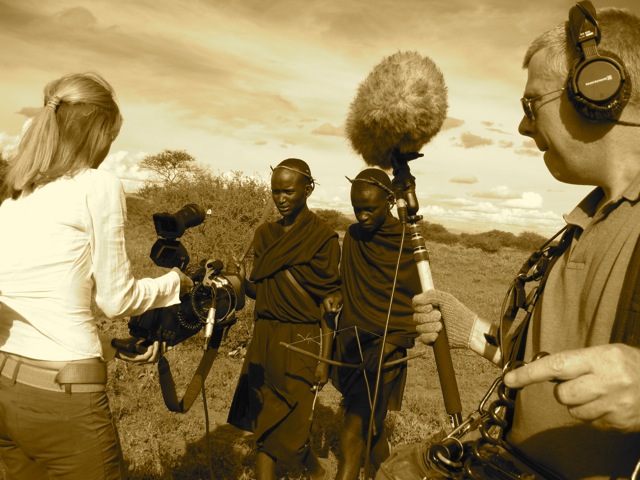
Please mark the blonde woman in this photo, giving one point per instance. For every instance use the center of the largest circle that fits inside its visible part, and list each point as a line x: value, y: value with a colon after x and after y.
x: 62, y: 245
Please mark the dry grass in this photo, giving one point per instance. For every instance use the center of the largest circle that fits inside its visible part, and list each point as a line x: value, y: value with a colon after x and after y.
x: 158, y: 444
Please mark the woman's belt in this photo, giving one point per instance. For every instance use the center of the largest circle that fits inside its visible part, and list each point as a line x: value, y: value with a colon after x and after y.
x: 71, y: 377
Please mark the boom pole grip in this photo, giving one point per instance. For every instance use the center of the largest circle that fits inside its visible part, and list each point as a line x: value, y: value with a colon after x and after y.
x: 444, y: 364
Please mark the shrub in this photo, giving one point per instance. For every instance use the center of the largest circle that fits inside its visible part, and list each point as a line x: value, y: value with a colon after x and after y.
x: 336, y: 220
x: 486, y: 243
x: 529, y: 241
x: 435, y: 232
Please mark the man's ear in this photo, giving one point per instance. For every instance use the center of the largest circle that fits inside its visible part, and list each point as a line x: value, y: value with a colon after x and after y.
x: 308, y: 190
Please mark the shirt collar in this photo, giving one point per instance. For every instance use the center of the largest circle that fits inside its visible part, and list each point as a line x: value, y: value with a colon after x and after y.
x: 632, y: 192
x: 585, y: 211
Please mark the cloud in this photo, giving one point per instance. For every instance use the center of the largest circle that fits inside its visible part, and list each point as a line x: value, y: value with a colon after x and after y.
x: 497, y: 130
x: 501, y: 192
x: 76, y: 17
x: 125, y: 166
x: 450, y: 123
x: 527, y: 152
x: 8, y: 144
x: 528, y: 148
x: 451, y: 201
x: 466, y: 179
x: 484, y: 216
x: 529, y: 200
x: 328, y: 129
x: 469, y: 140
x: 29, y: 112
x: 205, y: 79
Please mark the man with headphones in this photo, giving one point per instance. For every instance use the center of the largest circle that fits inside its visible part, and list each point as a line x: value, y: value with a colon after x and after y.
x: 577, y: 405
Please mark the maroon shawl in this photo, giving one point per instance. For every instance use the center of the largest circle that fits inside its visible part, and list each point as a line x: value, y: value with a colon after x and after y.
x: 368, y: 267
x: 311, y: 252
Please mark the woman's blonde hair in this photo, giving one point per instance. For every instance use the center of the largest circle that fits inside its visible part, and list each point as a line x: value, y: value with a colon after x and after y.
x: 79, y: 120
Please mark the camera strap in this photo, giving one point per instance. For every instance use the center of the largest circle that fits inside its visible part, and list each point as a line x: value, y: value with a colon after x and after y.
x: 168, y: 385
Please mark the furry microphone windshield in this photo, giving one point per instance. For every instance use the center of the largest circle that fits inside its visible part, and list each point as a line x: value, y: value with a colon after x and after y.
x: 398, y: 108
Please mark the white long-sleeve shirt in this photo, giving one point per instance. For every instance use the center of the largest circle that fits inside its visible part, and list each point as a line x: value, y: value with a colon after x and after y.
x: 59, y: 246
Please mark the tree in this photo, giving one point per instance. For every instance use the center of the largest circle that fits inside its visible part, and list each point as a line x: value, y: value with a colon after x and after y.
x: 171, y: 166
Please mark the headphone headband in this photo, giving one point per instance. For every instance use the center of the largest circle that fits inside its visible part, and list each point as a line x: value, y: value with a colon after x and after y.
x: 583, y: 24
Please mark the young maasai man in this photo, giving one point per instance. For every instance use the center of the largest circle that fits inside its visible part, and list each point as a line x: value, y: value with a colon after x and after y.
x: 369, y: 256
x: 295, y: 273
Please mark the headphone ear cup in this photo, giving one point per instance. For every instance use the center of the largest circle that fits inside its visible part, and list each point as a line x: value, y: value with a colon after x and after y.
x: 599, y: 87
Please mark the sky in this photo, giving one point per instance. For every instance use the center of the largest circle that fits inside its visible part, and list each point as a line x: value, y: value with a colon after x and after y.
x: 244, y: 84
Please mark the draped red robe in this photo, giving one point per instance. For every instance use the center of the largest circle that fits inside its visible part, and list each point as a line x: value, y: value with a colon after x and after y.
x: 368, y: 267
x: 273, y: 397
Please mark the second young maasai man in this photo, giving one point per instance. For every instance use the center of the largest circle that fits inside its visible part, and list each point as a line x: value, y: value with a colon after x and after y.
x: 369, y: 256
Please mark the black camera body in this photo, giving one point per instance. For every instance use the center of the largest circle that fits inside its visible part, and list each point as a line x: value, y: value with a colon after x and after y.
x: 215, y: 297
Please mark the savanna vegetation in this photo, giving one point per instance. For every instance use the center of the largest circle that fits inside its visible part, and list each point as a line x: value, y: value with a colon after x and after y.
x: 199, y: 444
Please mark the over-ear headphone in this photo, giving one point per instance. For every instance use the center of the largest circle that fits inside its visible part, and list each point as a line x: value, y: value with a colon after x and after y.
x: 598, y: 85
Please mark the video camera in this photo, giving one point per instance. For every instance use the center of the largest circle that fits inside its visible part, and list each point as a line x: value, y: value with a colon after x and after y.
x: 214, y: 298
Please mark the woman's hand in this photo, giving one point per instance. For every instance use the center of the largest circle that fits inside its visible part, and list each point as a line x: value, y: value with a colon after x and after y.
x: 186, y: 284
x: 135, y: 350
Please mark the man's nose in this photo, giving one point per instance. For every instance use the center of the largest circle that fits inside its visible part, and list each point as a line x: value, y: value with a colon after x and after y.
x: 526, y: 127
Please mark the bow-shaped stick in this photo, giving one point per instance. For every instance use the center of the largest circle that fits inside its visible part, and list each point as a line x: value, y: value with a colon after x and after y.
x: 336, y: 363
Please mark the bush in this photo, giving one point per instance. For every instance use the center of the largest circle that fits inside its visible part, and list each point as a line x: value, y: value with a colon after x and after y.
x: 435, y: 232
x: 486, y: 243
x: 336, y: 220
x: 529, y: 241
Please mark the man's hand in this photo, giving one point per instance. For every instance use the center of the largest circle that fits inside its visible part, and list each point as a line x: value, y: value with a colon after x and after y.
x: 237, y: 267
x: 599, y: 385
x: 458, y: 319
x: 333, y: 302
x: 429, y: 323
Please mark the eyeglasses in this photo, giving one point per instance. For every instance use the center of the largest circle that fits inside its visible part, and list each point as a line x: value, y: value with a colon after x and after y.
x: 527, y: 104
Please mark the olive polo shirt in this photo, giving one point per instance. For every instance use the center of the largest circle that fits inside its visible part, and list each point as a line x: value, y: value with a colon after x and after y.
x: 576, y: 310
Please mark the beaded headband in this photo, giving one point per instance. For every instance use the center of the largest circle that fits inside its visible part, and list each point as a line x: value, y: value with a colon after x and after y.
x: 304, y: 174
x: 373, y: 181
